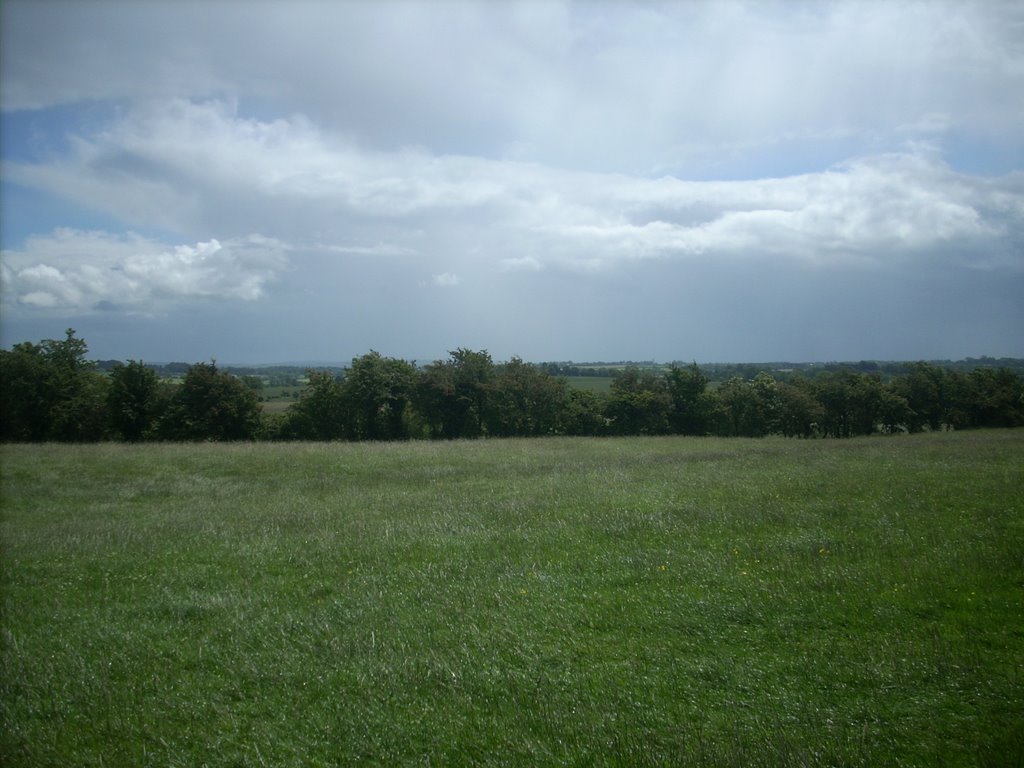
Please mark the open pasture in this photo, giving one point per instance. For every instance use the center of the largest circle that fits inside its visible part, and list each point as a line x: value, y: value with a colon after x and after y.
x: 662, y: 601
x: 600, y: 384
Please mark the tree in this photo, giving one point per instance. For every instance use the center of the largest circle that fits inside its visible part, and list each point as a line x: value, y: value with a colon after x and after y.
x: 748, y: 408
x: 585, y: 413
x: 639, y: 403
x: 376, y: 392
x: 800, y: 413
x: 687, y: 390
x: 524, y: 401
x: 852, y: 402
x: 894, y: 412
x: 320, y: 413
x: 212, y: 405
x: 25, y: 398
x: 997, y: 398
x: 925, y: 389
x: 49, y: 391
x: 133, y: 399
x: 451, y: 395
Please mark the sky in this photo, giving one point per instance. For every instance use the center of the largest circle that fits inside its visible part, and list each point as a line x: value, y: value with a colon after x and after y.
x: 269, y: 182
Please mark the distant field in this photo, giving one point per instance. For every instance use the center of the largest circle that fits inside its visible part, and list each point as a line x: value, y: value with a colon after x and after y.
x: 591, y: 383
x: 655, y: 601
x: 278, y: 399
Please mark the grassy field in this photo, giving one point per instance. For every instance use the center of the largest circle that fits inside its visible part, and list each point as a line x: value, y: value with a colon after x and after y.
x: 663, y: 601
x: 591, y: 383
x: 279, y: 399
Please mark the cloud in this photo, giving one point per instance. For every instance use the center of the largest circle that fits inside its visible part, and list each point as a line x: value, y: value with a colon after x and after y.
x: 527, y: 263
x: 196, y: 168
x: 611, y: 87
x: 74, y: 271
x: 446, y: 280
x: 593, y: 155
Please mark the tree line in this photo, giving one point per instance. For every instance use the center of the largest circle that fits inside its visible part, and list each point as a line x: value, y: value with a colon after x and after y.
x: 50, y: 392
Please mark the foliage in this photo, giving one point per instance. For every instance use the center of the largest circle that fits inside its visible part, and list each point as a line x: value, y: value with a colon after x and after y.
x: 690, y: 409
x: 377, y: 391
x: 452, y: 393
x: 50, y: 392
x: 211, y: 405
x: 524, y: 401
x: 639, y: 404
x: 799, y: 411
x: 319, y: 413
x: 133, y: 399
x: 851, y: 401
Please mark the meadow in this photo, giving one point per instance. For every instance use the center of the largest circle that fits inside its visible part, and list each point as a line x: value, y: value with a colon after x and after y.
x: 562, y: 601
x: 600, y: 384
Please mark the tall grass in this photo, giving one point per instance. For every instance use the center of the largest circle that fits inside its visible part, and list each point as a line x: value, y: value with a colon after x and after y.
x: 663, y: 601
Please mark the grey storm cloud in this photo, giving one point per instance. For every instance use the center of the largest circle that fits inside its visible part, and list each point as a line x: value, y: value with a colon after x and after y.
x: 416, y: 171
x: 613, y: 86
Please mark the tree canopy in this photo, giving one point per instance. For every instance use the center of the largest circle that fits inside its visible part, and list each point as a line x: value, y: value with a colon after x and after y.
x: 50, y: 391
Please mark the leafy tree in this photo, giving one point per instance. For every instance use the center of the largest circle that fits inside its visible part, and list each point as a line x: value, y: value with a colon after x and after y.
x: 25, y: 397
x: 799, y: 412
x: 451, y: 395
x: 894, y: 412
x: 748, y: 408
x: 212, y: 405
x: 690, y: 406
x: 852, y: 402
x: 376, y: 392
x: 524, y: 401
x: 133, y: 399
x: 925, y: 388
x: 996, y: 398
x: 320, y: 412
x: 585, y: 413
x: 639, y: 403
x: 49, y: 391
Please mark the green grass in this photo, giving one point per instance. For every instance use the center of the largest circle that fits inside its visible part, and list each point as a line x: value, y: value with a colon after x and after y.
x: 278, y: 399
x: 662, y: 601
x: 601, y: 384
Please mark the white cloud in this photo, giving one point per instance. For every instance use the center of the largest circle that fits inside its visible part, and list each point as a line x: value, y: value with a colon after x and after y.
x: 527, y: 263
x: 587, y: 146
x: 605, y: 86
x: 76, y: 271
x: 446, y: 280
x: 196, y: 168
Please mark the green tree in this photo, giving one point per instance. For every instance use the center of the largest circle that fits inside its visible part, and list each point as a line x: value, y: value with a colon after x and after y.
x: 893, y: 412
x: 639, y: 403
x: 748, y: 408
x: 133, y: 399
x: 319, y: 413
x: 925, y: 388
x: 377, y: 391
x: 996, y: 397
x: 25, y: 397
x: 49, y: 391
x: 687, y: 390
x: 451, y: 395
x: 585, y: 413
x: 852, y: 402
x: 525, y: 401
x: 800, y: 413
x: 212, y: 405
